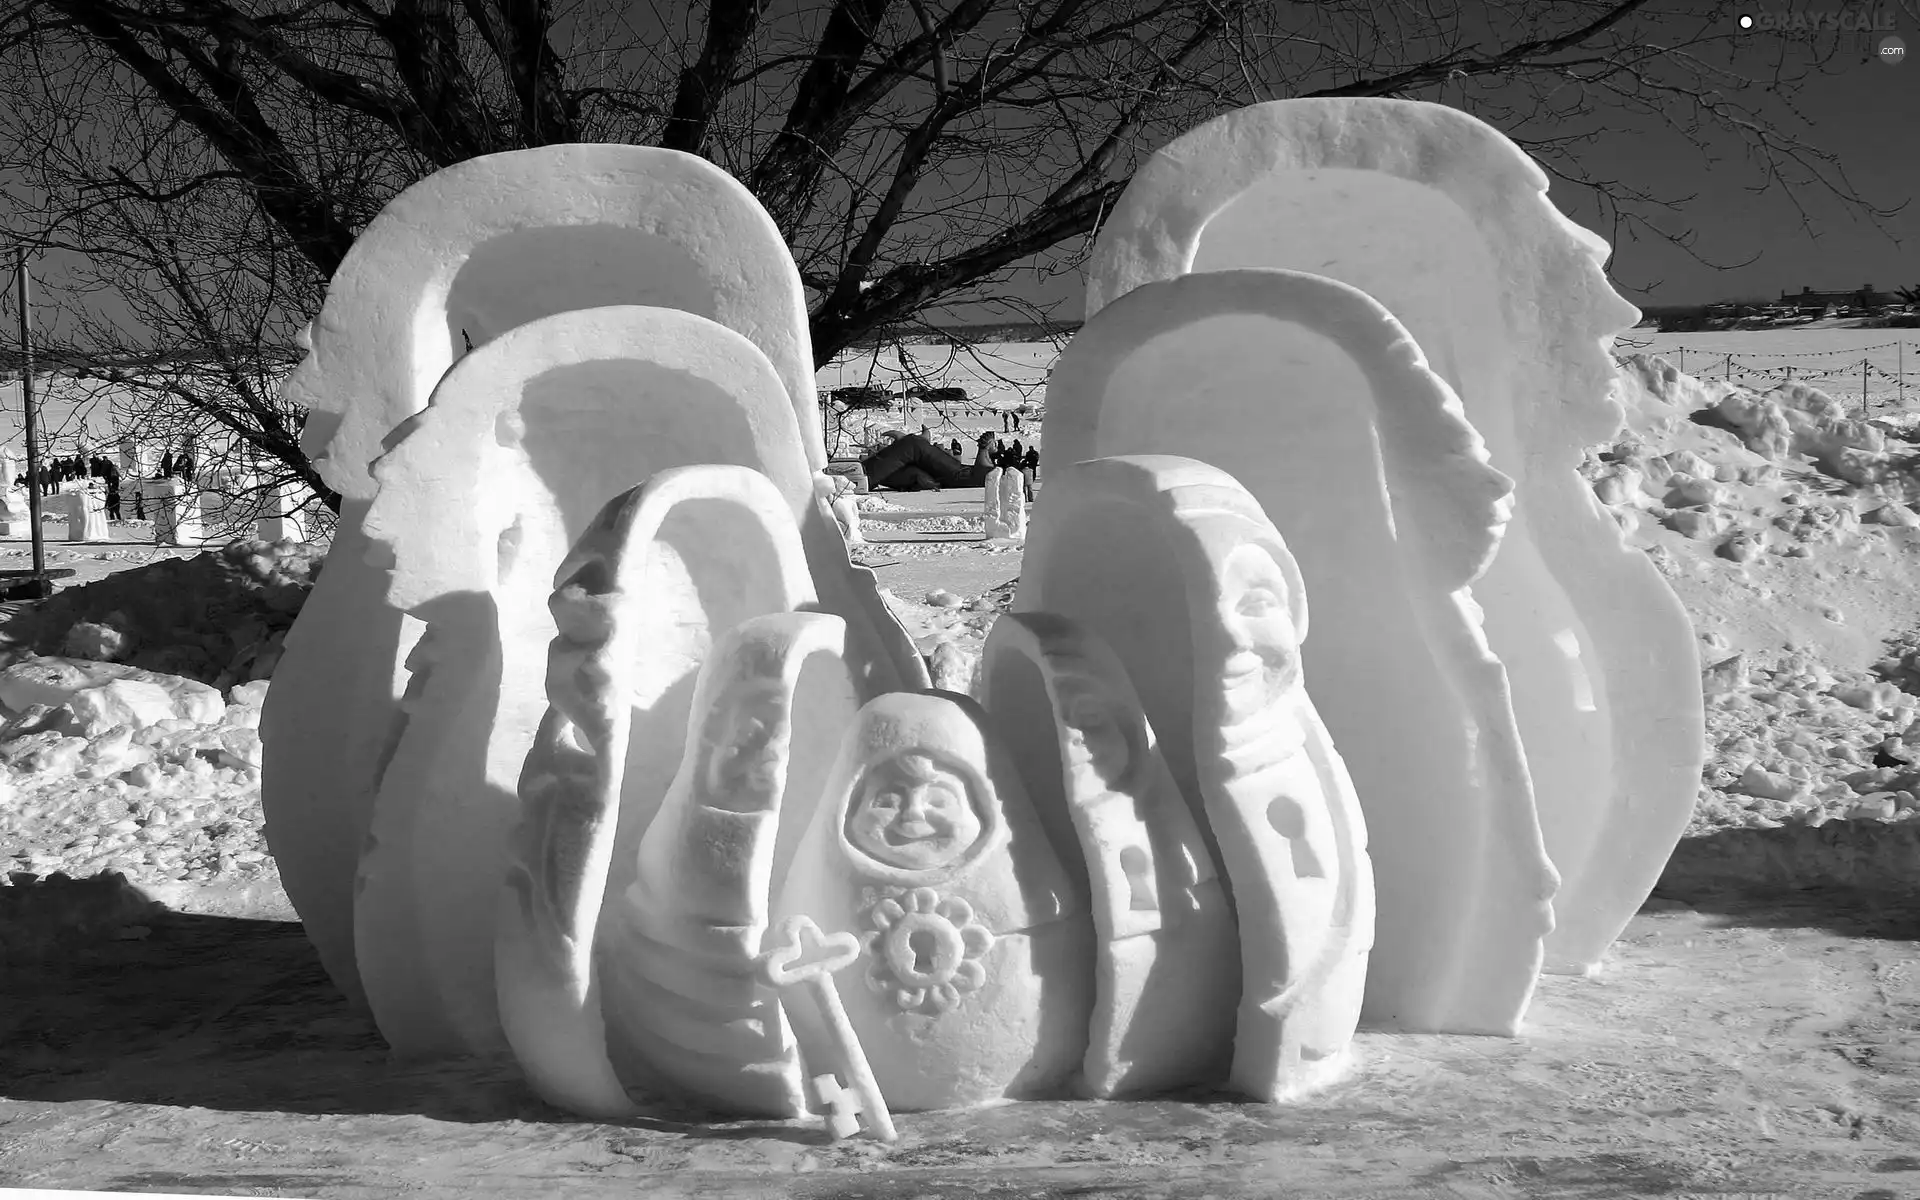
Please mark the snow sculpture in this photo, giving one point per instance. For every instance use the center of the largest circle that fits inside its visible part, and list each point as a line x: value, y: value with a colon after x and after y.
x: 1238, y: 732
x: 1013, y: 504
x: 283, y: 518
x: 13, y: 510
x: 175, y: 505
x: 629, y: 603
x: 992, y: 515
x: 978, y: 964
x: 1446, y: 222
x: 1167, y: 957
x: 1382, y: 490
x: 481, y: 497
x: 684, y: 997
x: 85, y: 512
x: 453, y: 263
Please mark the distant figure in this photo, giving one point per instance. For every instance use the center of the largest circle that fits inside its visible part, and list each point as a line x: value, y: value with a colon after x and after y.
x: 1030, y: 467
x: 912, y: 464
x: 1009, y: 421
x: 957, y: 452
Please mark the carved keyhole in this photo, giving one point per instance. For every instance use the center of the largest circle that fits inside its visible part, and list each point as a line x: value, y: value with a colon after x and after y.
x: 1289, y: 820
x: 925, y: 949
x: 1139, y: 872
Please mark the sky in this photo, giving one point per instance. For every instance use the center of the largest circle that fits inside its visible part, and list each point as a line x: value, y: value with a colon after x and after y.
x: 1867, y: 112
x: 1863, y: 110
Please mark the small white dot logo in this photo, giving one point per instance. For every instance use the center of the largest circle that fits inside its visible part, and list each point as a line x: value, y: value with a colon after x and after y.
x: 1746, y: 22
x: 1893, y: 50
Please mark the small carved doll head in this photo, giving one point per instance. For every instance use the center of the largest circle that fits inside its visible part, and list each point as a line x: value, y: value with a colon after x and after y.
x: 1259, y: 615
x: 746, y: 746
x: 1101, y: 735
x: 1264, y: 659
x: 914, y: 813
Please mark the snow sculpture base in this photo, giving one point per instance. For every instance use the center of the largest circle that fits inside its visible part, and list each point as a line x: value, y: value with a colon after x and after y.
x: 1212, y: 641
x: 1365, y: 464
x: 1510, y: 302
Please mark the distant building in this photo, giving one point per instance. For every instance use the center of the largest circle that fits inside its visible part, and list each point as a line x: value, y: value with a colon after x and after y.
x: 1865, y: 297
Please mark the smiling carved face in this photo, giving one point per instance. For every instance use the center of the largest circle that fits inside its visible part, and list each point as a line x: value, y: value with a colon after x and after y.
x: 1263, y: 661
x: 914, y: 814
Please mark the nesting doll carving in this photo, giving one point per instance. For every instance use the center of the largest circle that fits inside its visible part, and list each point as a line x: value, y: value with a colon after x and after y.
x: 1278, y: 792
x: 1274, y: 793
x: 975, y: 982
x: 1167, y: 958
x: 678, y: 951
x: 699, y: 548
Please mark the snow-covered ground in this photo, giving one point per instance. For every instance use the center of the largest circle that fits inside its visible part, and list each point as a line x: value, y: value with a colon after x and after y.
x: 1787, y: 527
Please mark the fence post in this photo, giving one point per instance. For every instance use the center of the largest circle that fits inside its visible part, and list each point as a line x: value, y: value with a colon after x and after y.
x: 1729, y: 367
x: 1900, y: 369
x: 1683, y: 360
x: 1865, y: 366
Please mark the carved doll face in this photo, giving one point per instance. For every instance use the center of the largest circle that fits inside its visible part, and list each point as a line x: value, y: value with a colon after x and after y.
x: 1263, y: 653
x: 912, y: 813
x: 1097, y: 733
x: 746, y: 746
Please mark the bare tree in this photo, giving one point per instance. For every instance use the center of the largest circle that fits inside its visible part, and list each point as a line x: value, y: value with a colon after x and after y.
x: 213, y: 160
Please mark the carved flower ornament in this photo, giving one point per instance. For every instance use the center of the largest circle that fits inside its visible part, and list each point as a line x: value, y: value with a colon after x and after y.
x: 926, y: 950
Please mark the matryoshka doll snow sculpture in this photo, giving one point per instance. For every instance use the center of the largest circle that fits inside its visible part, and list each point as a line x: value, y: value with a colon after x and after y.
x: 975, y: 982
x: 1240, y: 733
x: 1167, y: 981
x: 678, y: 951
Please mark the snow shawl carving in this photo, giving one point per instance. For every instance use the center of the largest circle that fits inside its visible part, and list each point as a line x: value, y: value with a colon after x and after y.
x: 455, y: 262
x: 1364, y: 463
x: 1446, y: 223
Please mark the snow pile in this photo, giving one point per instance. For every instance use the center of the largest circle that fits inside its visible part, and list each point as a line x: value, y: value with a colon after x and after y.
x: 38, y: 922
x: 218, y: 617
x: 109, y: 766
x: 129, y: 722
x: 1785, y: 526
x: 1796, y: 742
x: 1782, y: 472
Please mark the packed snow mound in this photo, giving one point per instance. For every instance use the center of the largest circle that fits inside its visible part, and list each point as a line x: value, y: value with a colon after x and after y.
x: 111, y: 768
x: 218, y: 617
x: 1794, y: 742
x: 47, y: 918
x: 1690, y: 479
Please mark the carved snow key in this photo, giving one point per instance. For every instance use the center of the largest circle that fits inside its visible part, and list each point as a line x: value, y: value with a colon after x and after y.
x: 803, y: 958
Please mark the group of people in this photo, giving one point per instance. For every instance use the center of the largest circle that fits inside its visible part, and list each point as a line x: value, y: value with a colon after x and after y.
x: 87, y: 465
x: 913, y: 462
x: 57, y: 471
